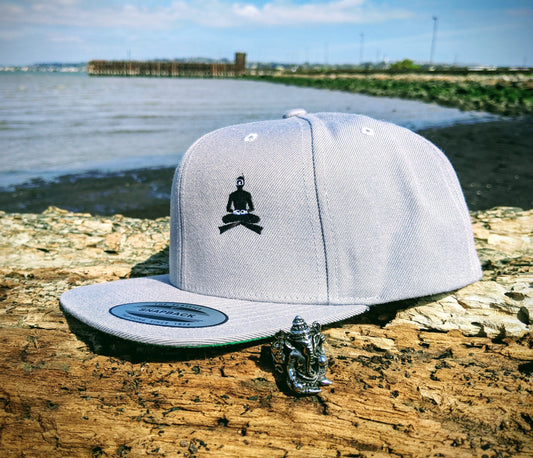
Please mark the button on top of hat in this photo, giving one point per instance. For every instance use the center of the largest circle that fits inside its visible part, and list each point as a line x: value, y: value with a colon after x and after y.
x: 294, y: 112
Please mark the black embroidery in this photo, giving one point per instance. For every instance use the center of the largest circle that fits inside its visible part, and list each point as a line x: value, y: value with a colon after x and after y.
x: 239, y: 207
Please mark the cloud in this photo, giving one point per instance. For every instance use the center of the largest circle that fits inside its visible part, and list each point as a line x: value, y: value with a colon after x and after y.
x: 60, y: 38
x: 333, y: 12
x: 211, y: 13
x: 520, y: 12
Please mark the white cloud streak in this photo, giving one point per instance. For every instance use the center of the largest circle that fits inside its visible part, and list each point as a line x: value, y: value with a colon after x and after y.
x: 211, y: 13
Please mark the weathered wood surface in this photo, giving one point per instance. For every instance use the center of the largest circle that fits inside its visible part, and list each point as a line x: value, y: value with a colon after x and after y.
x: 407, y: 382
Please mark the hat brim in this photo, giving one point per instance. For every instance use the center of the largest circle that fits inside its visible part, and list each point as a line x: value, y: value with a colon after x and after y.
x: 152, y: 311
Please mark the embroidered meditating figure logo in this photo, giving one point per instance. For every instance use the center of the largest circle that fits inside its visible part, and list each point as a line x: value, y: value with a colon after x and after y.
x: 239, y: 210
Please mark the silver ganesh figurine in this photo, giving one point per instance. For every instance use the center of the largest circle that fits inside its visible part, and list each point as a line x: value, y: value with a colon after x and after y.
x: 299, y: 357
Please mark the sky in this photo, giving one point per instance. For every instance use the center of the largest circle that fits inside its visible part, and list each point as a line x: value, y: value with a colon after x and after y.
x: 485, y: 32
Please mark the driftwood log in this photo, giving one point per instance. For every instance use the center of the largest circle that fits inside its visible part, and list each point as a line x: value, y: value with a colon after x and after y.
x: 448, y: 375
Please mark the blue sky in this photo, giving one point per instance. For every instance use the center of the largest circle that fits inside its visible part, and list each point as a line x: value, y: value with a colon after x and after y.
x: 323, y: 31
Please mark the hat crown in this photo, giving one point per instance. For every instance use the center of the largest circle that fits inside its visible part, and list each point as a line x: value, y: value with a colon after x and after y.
x: 352, y: 211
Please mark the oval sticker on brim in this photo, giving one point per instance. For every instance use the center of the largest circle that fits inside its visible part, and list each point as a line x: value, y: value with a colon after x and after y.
x: 173, y: 314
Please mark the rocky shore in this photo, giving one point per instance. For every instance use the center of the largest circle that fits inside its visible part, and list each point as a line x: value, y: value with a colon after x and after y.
x: 506, y: 94
x: 448, y: 375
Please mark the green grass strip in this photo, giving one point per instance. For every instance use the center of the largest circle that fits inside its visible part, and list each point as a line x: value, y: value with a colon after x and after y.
x: 511, y: 98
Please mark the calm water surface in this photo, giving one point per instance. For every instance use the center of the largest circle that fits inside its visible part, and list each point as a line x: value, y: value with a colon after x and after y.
x: 52, y: 124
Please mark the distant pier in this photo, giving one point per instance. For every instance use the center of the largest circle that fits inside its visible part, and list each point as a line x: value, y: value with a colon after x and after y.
x: 168, y: 69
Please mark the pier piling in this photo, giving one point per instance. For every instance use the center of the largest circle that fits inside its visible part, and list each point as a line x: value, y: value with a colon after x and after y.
x: 168, y: 69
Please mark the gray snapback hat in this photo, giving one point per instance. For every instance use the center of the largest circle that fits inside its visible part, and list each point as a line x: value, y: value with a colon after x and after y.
x: 318, y: 215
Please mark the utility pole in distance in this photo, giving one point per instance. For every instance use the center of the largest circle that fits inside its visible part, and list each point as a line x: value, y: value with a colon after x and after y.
x: 361, y: 51
x: 433, y: 40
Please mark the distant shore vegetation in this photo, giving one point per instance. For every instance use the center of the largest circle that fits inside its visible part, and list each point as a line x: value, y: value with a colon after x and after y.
x: 501, y: 91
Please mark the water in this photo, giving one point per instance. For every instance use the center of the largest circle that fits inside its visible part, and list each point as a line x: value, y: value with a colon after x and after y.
x: 54, y: 124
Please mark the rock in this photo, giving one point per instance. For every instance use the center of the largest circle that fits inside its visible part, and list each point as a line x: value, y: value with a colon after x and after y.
x: 447, y: 375
x: 500, y: 304
x: 483, y: 309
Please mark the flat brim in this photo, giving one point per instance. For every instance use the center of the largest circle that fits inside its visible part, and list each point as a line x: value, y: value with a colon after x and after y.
x: 152, y: 311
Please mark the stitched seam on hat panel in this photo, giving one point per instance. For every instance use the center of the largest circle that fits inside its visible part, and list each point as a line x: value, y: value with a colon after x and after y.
x: 180, y: 213
x: 326, y: 267
x: 179, y: 227
x: 459, y: 204
x: 174, y: 213
x: 184, y: 163
x: 457, y: 200
x: 310, y: 212
x: 333, y: 264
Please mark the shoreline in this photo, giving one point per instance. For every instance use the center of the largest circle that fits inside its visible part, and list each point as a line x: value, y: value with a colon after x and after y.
x: 490, y: 159
x: 499, y: 95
